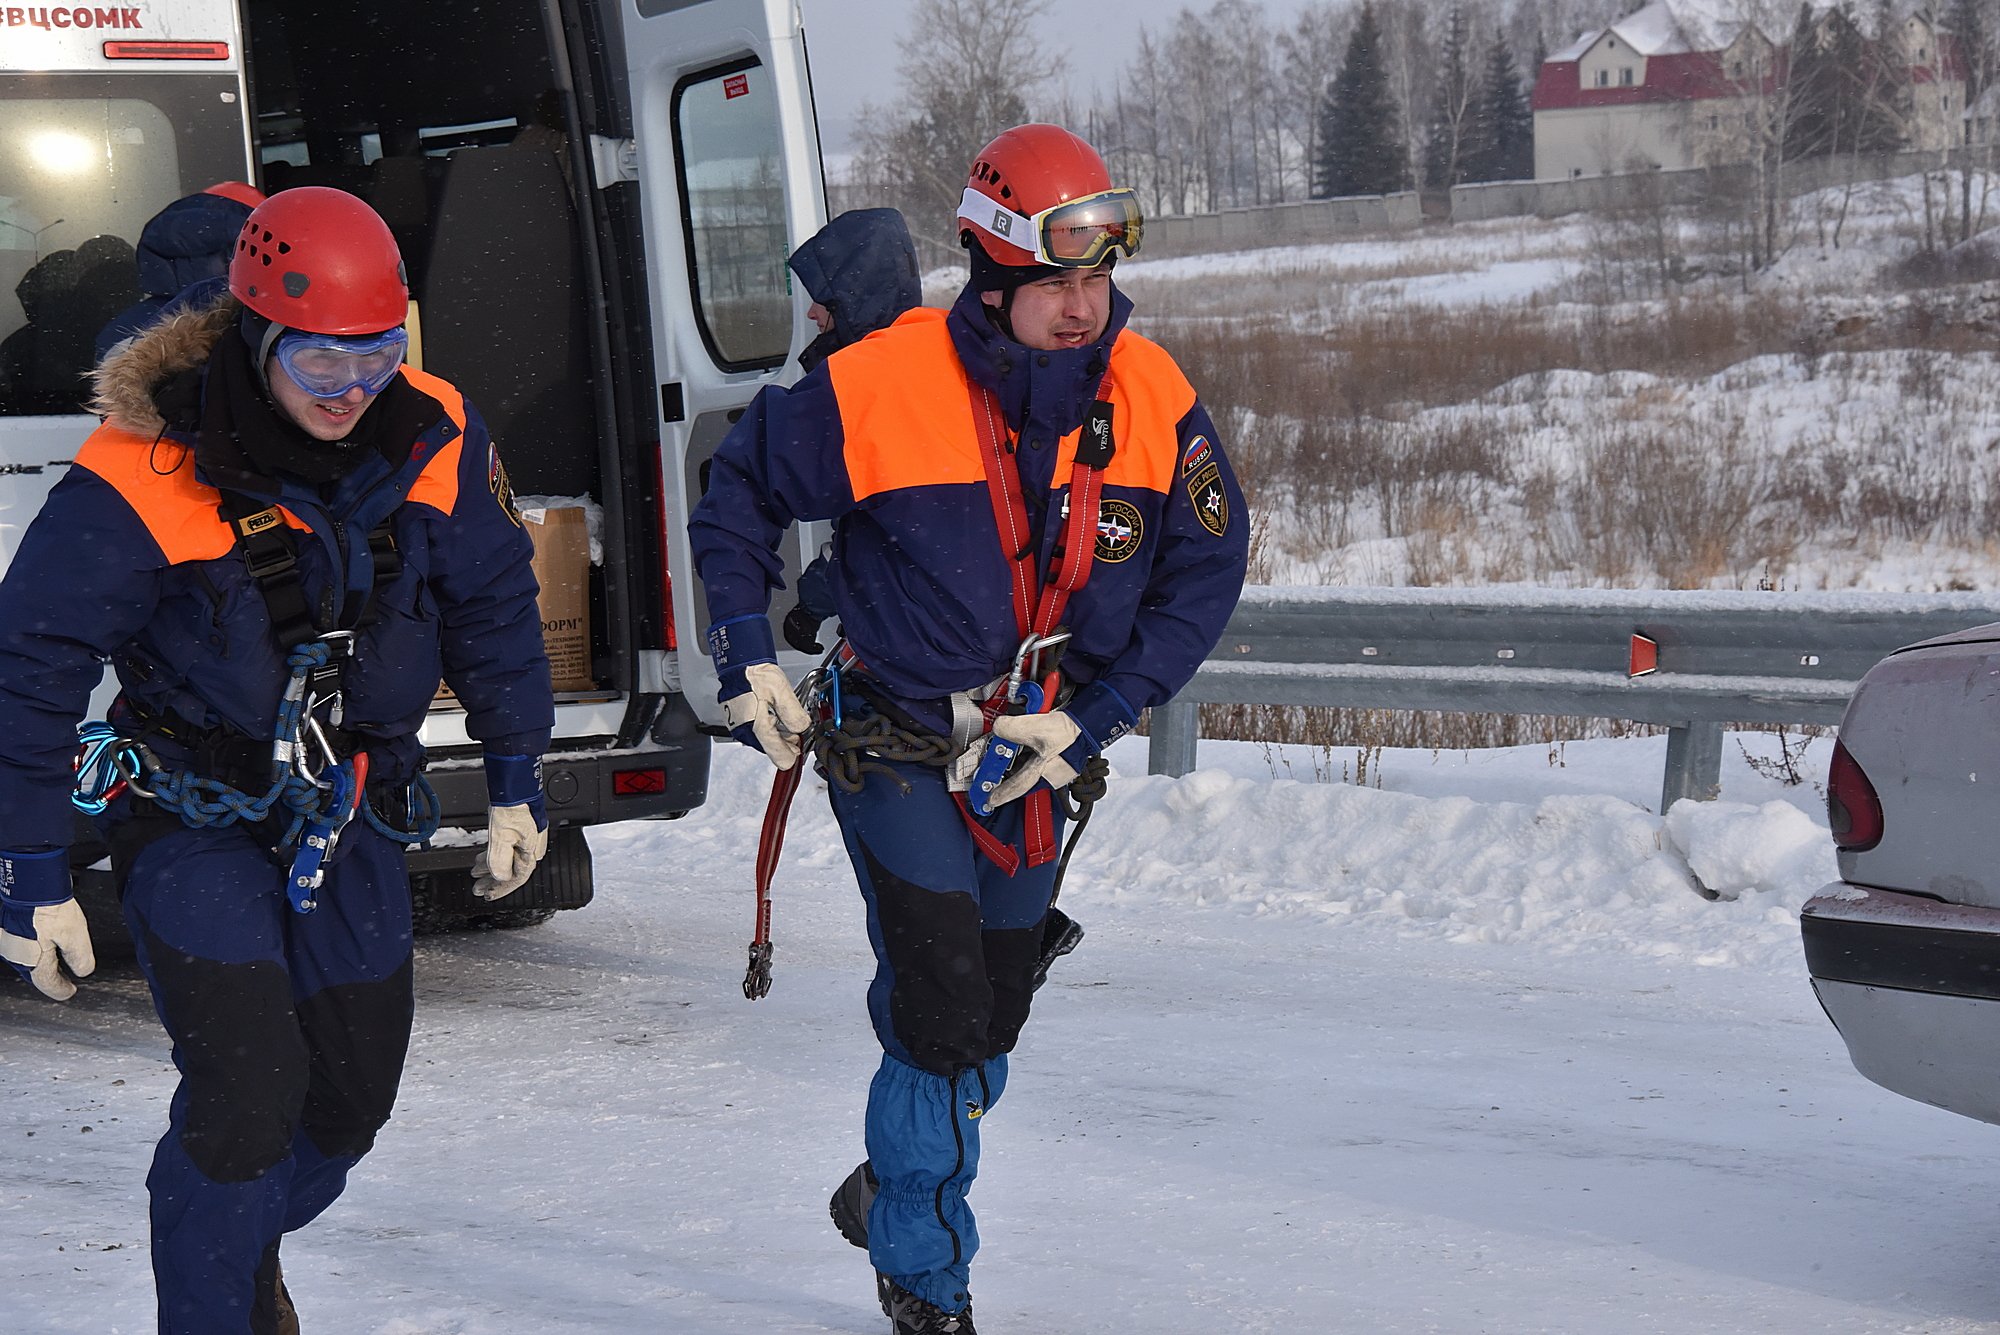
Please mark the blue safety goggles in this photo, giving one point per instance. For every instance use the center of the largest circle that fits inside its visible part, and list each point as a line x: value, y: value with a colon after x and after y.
x: 326, y: 366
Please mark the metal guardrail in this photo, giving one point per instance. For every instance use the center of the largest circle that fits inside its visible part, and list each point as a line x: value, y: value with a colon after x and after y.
x: 1717, y: 657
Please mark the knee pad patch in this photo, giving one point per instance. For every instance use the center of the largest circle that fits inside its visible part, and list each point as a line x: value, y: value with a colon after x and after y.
x: 243, y: 1059
x: 940, y: 1002
x: 359, y: 1035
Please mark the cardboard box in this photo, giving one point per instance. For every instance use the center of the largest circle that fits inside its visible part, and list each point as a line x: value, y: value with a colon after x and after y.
x: 562, y: 567
x: 561, y: 535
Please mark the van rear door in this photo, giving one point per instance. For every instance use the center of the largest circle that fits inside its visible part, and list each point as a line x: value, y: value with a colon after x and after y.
x: 727, y: 157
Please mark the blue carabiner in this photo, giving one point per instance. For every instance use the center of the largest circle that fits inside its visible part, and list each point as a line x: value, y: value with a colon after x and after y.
x: 999, y: 756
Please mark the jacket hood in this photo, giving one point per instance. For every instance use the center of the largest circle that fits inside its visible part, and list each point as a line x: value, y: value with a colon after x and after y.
x: 187, y: 241
x: 129, y: 380
x: 862, y: 267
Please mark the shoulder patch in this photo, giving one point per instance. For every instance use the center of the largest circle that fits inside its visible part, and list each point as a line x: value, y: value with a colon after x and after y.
x: 1199, y: 452
x: 1210, y: 498
x: 497, y: 483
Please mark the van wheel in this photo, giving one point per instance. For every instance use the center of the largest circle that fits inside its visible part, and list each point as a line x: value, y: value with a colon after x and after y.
x: 443, y: 901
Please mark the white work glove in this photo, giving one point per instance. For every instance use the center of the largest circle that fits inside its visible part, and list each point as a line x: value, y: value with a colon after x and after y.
x: 768, y: 715
x: 41, y: 926
x: 1045, y: 737
x: 514, y: 844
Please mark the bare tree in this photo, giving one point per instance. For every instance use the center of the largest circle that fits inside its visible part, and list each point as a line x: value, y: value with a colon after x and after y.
x: 970, y: 68
x: 1308, y: 54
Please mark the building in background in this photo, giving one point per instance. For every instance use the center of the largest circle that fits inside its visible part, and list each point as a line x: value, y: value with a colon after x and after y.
x: 1681, y: 84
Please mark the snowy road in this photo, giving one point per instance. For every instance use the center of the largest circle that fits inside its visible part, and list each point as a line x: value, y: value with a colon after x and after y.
x: 1326, y: 1109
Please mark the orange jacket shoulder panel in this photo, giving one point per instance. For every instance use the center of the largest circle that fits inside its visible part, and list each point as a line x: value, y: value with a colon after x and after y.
x: 437, y: 485
x: 1151, y: 395
x: 905, y: 410
x: 156, y: 478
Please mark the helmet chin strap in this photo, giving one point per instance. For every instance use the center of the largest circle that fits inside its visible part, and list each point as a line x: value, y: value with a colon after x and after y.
x: 261, y: 334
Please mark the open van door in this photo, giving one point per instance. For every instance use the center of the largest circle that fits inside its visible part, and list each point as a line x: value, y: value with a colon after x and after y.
x: 726, y: 154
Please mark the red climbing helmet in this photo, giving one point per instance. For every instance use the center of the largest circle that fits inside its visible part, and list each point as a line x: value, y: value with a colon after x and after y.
x: 1039, y: 195
x: 319, y: 259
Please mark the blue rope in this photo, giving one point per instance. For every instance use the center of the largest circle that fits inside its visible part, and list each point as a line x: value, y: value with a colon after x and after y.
x: 109, y: 758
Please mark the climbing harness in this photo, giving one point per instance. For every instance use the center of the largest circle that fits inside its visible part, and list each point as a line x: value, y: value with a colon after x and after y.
x: 310, y: 783
x: 846, y: 745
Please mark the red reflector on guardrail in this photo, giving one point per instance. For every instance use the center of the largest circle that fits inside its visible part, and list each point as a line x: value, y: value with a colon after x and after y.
x: 1643, y: 658
x: 638, y: 782
x: 166, y: 50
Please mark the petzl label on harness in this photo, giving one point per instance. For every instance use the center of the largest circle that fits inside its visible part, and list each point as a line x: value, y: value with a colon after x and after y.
x: 1211, y: 500
x: 257, y: 523
x: 1094, y: 445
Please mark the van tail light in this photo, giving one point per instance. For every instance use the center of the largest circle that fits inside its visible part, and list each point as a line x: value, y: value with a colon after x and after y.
x: 1853, y: 811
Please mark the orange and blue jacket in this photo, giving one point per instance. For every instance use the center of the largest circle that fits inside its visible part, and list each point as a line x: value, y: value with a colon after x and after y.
x: 130, y: 562
x: 881, y: 440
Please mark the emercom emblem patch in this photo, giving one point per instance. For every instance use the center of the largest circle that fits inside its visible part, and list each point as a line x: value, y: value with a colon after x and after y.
x: 1119, y: 529
x: 1210, y: 498
x: 496, y: 481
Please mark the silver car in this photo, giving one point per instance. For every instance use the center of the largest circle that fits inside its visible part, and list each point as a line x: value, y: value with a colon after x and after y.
x: 1904, y: 949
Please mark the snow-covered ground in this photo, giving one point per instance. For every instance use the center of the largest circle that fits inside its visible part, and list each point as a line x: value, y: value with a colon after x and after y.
x: 1464, y: 1052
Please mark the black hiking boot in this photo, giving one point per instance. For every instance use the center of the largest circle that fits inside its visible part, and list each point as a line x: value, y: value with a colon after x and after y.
x: 911, y: 1315
x: 271, y: 1310
x: 849, y: 1206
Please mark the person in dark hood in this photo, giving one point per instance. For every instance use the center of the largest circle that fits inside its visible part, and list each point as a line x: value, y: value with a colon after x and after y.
x: 1036, y: 535
x: 280, y: 538
x: 188, y: 242
x: 861, y: 272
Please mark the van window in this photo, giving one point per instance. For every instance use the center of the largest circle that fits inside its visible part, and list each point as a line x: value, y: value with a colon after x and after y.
x: 730, y: 152
x: 85, y: 160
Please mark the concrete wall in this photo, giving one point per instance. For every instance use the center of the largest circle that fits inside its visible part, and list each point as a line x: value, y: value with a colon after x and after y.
x: 1279, y: 225
x: 1610, y: 194
x: 1339, y: 219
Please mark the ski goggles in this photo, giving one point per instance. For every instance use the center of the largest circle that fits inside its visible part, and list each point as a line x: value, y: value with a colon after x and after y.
x: 1076, y: 235
x: 326, y: 366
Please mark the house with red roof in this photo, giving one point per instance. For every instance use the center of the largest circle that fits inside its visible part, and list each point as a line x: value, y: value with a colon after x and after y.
x: 1692, y: 83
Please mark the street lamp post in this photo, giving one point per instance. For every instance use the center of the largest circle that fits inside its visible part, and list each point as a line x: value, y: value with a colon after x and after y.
x: 33, y: 232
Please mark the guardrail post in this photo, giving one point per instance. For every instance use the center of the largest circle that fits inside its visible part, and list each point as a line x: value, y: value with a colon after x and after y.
x: 1175, y: 728
x: 1694, y: 764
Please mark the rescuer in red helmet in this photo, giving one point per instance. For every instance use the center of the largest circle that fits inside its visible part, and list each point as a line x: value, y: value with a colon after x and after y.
x: 1036, y: 535
x: 280, y: 538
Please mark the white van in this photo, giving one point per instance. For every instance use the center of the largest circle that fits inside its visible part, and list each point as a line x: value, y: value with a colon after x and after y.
x: 595, y: 200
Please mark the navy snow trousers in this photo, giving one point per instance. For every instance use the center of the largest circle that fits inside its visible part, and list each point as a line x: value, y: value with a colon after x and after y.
x: 955, y: 940
x: 289, y: 1031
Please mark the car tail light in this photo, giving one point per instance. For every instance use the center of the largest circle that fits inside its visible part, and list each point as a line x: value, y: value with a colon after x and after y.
x: 638, y: 782
x: 1853, y: 811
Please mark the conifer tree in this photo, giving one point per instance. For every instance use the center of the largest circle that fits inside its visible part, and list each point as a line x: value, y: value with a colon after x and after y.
x: 1503, y: 123
x: 1360, y: 127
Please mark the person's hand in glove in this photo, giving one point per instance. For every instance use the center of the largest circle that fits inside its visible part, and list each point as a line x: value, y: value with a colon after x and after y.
x: 758, y: 700
x: 1057, y: 745
x: 769, y: 712
x: 1044, y: 738
x: 517, y: 826
x: 41, y: 926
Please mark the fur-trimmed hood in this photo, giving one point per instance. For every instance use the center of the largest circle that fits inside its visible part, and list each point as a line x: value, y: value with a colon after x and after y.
x: 127, y: 380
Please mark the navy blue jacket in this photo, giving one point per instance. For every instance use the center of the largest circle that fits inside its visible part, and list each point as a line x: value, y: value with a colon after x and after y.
x: 129, y: 563
x: 880, y: 440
